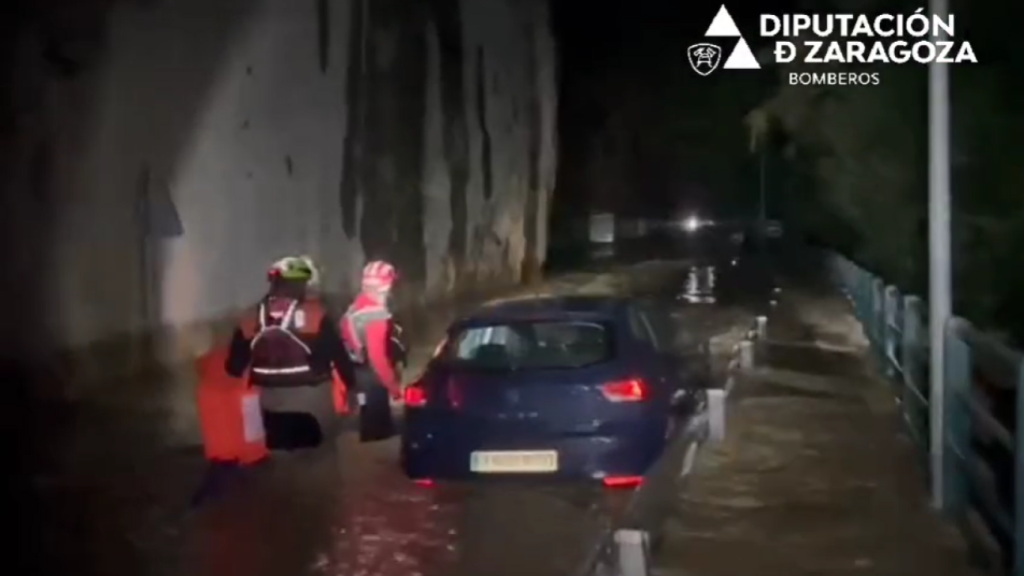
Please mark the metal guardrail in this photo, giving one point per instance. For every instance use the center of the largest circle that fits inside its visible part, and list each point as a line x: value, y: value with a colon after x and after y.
x: 985, y: 467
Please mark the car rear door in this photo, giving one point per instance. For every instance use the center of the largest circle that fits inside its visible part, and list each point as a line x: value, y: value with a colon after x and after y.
x: 683, y: 359
x: 649, y: 355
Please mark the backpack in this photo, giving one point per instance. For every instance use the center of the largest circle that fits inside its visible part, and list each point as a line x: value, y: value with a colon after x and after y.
x: 279, y: 355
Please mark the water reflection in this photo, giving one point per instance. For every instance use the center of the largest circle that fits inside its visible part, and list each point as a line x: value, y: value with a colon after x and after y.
x: 391, y: 527
x: 271, y: 526
x: 531, y: 528
x: 346, y: 512
x: 699, y: 286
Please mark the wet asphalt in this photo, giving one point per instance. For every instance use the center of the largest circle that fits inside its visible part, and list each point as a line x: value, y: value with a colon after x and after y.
x: 111, y: 500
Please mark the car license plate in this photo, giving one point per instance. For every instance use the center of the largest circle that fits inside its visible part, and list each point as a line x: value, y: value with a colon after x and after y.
x: 520, y: 462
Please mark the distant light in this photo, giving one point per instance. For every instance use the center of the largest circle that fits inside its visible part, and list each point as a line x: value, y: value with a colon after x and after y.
x: 691, y: 224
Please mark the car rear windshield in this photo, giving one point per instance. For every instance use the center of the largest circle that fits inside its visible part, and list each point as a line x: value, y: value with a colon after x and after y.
x: 532, y: 345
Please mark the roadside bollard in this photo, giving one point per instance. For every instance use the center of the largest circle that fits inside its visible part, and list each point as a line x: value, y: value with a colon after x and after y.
x: 716, y: 414
x: 633, y: 552
x: 746, y: 355
x: 762, y: 326
x: 689, y: 459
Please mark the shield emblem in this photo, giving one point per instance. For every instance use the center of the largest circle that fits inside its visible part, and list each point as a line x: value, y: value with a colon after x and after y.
x: 704, y: 58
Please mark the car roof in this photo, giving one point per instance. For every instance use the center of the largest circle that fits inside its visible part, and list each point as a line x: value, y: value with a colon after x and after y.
x: 596, y: 308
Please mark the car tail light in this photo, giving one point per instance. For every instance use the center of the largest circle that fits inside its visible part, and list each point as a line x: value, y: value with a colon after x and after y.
x: 414, y: 396
x: 632, y: 390
x: 623, y: 481
x: 424, y: 482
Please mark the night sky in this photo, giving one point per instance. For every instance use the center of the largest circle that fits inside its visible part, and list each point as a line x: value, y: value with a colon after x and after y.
x: 640, y: 34
x: 612, y: 52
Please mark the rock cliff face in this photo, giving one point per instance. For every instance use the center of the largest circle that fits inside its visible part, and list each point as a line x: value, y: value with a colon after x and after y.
x: 161, y: 154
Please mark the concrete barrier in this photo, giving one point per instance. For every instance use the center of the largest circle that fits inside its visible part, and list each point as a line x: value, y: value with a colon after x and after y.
x: 634, y: 552
x: 716, y: 414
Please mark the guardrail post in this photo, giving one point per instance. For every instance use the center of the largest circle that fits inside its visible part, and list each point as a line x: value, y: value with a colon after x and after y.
x: 877, y: 311
x: 861, y: 298
x: 909, y: 356
x: 1018, y: 482
x: 864, y: 303
x: 891, y: 330
x: 956, y: 437
x: 841, y: 276
x: 716, y: 414
x: 633, y: 552
x: 911, y: 341
x: 746, y: 354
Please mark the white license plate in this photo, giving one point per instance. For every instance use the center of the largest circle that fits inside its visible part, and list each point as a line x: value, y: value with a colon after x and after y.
x: 519, y: 462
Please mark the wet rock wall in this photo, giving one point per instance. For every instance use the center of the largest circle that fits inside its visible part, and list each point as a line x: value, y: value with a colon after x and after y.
x: 158, y: 155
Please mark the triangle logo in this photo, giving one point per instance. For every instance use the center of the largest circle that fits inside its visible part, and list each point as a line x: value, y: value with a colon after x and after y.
x: 741, y: 58
x: 704, y: 57
x: 723, y: 26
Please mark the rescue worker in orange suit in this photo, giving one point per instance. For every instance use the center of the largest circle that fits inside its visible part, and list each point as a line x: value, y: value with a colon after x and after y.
x: 289, y: 343
x: 369, y: 332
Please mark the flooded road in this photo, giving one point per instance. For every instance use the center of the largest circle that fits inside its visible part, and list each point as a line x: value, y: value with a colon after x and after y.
x: 350, y: 511
x: 815, y: 474
x: 115, y: 502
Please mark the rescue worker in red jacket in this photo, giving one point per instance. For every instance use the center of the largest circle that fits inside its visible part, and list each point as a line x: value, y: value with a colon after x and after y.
x: 289, y: 343
x: 368, y: 331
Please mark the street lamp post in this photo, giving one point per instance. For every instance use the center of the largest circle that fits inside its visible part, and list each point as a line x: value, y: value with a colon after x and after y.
x: 758, y: 125
x: 764, y: 184
x: 939, y: 247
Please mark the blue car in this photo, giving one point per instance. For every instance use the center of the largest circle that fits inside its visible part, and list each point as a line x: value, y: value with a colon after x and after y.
x: 562, y: 387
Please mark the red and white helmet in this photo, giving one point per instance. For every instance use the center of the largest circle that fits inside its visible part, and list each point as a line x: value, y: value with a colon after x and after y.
x: 379, y: 275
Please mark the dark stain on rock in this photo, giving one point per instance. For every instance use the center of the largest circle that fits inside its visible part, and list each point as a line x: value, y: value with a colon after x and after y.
x: 73, y: 36
x: 355, y: 98
x: 323, y: 28
x: 531, y: 230
x: 447, y: 20
x: 60, y: 59
x: 392, y: 217
x: 245, y: 125
x: 41, y: 174
x: 143, y: 183
x: 289, y: 166
x: 143, y: 198
x: 485, y: 133
x: 248, y: 70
